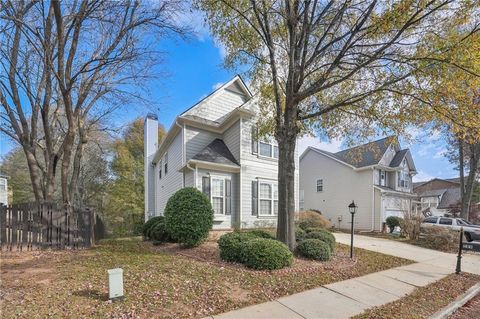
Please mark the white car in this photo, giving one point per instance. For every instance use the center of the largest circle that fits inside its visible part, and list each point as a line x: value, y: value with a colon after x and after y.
x: 472, y: 232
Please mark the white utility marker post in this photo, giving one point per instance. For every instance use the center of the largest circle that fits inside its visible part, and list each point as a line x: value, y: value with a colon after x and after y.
x: 115, y: 283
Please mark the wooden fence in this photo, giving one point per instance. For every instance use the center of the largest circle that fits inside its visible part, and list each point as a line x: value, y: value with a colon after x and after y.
x: 32, y: 226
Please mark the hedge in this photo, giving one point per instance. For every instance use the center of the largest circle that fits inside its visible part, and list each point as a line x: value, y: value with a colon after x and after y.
x: 265, y: 254
x: 323, y: 235
x: 314, y: 249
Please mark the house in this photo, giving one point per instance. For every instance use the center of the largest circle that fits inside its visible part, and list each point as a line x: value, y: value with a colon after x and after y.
x: 438, y: 197
x: 3, y: 189
x: 376, y: 175
x: 213, y: 146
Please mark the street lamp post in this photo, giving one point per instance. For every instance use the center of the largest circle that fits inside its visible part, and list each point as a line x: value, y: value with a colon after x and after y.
x: 353, y: 209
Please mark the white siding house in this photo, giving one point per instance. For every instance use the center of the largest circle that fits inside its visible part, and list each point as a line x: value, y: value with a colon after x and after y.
x: 3, y: 189
x: 211, y: 147
x: 377, y: 176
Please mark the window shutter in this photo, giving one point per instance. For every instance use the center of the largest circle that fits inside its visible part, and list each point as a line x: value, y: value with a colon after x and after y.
x: 254, y: 198
x: 206, y: 186
x: 254, y: 140
x: 228, y: 197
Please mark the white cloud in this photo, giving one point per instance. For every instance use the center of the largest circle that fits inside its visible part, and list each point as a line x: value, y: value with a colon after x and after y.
x: 422, y: 176
x: 306, y: 141
x: 216, y: 86
x: 440, y: 153
x: 426, y: 149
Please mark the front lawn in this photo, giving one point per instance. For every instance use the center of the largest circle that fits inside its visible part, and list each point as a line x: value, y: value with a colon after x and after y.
x: 160, y: 281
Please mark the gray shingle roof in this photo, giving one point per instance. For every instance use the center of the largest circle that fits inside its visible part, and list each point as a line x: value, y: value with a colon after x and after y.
x: 216, y: 152
x: 397, y: 159
x: 366, y: 154
x: 450, y: 198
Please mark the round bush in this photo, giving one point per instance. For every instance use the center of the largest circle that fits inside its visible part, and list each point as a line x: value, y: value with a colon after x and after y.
x: 262, y: 253
x: 310, y: 219
x: 392, y: 222
x: 299, y: 234
x: 323, y: 235
x: 261, y: 233
x: 149, y: 224
x: 159, y: 232
x: 188, y: 217
x: 230, y: 245
x: 314, y: 249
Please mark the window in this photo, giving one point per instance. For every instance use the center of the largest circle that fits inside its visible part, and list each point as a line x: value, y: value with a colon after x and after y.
x: 265, y: 149
x: 218, y: 194
x: 383, y: 178
x: 319, y: 185
x: 268, y: 199
x: 166, y: 163
x: 160, y: 170
x: 445, y: 221
x: 3, y: 185
x: 219, y: 190
x: 254, y: 140
x: 403, y: 179
x: 430, y: 220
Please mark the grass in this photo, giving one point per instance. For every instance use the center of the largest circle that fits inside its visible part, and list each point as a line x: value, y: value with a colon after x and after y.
x: 424, y: 301
x: 73, y: 284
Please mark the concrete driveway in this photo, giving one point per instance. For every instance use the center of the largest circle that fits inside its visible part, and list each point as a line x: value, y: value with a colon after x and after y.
x: 470, y: 262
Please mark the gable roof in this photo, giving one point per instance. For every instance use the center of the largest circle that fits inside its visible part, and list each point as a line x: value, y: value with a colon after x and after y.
x: 366, y: 154
x: 216, y: 152
x: 398, y: 158
x: 450, y: 198
x: 455, y: 181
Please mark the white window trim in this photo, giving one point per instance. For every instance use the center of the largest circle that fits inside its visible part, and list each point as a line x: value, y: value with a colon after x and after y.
x: 316, y: 185
x: 272, y: 199
x: 273, y: 144
x: 223, y: 178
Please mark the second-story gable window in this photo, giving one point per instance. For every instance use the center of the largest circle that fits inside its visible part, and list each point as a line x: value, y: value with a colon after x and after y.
x: 166, y: 163
x: 383, y: 178
x: 403, y: 179
x: 254, y: 140
x: 319, y: 185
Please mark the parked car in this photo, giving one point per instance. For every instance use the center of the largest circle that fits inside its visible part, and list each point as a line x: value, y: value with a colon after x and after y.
x: 472, y: 232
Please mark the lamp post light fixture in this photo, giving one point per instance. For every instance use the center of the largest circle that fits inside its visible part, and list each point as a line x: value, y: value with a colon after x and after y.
x: 353, y: 209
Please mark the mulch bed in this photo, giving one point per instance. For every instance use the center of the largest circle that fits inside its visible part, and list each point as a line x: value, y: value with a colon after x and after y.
x: 209, y: 253
x: 469, y: 310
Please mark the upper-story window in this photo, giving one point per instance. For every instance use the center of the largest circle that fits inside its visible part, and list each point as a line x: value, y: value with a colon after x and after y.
x: 403, y: 179
x: 383, y: 178
x: 3, y: 184
x: 166, y: 163
x: 319, y: 185
x: 160, y: 169
x: 266, y: 147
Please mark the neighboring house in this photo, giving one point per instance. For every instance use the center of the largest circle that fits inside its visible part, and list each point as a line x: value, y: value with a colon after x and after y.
x: 213, y: 146
x: 376, y: 175
x: 3, y: 189
x: 438, y: 197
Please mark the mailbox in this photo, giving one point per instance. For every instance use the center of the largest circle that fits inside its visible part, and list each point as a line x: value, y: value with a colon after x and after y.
x: 115, y: 283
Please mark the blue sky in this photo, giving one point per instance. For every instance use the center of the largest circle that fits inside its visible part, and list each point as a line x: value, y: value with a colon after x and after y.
x: 195, y: 69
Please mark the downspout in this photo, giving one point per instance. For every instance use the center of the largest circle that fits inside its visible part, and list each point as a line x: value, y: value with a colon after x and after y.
x: 373, y: 200
x: 183, y: 148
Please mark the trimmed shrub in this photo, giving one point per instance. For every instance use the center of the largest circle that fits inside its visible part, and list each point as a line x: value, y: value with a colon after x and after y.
x: 265, y: 254
x: 188, y: 217
x: 230, y: 245
x: 315, y: 229
x: 323, y: 235
x: 314, y: 249
x: 299, y: 234
x: 392, y: 222
x: 438, y: 238
x: 311, y: 219
x: 159, y: 233
x: 261, y: 233
x: 149, y: 224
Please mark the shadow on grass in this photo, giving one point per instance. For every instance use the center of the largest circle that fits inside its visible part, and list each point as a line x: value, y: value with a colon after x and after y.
x: 92, y: 294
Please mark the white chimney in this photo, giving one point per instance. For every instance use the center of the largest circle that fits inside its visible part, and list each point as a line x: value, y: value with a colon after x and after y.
x: 150, y: 145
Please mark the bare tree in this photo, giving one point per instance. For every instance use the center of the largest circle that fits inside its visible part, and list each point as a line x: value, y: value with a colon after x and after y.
x: 318, y: 61
x: 64, y: 66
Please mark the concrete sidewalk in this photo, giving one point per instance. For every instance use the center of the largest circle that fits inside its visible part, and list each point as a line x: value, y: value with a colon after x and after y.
x: 351, y: 297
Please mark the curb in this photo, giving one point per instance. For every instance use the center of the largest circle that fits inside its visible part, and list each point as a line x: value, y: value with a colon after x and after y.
x: 459, y: 302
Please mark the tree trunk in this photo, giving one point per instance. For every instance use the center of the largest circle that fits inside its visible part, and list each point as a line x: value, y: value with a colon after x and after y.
x: 67, y: 155
x: 461, y: 165
x: 473, y: 163
x: 77, y: 165
x: 34, y: 175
